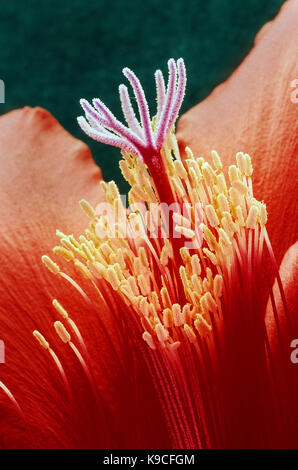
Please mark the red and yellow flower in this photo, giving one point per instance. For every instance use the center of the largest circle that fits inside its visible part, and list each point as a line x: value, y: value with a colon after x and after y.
x: 165, y: 330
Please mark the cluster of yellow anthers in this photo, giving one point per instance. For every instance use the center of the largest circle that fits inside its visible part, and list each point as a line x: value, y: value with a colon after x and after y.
x: 219, y: 221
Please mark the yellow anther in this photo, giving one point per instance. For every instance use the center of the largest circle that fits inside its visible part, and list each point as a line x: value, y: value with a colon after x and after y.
x: 183, y: 276
x: 189, y: 152
x: 209, y: 274
x: 60, y: 234
x: 192, y: 163
x: 155, y: 300
x: 87, y: 252
x: 224, y: 237
x: 180, y: 170
x: 125, y: 289
x: 202, y: 326
x: 211, y: 216
x: 41, y: 339
x: 87, y: 208
x: 227, y: 223
x: 106, y: 250
x: 248, y: 165
x: 193, y: 177
x: 62, y: 332
x: 208, y: 303
x: 174, y: 346
x: 252, y: 217
x: 130, y: 283
x: 208, y: 174
x: 218, y: 285
x: 167, y: 317
x: 113, y: 190
x: 189, y: 333
x: 143, y: 306
x: 178, y: 316
x: 137, y: 194
x: 49, y: 263
x: 101, y: 230
x: 187, y: 313
x: 82, y: 268
x: 119, y: 271
x: 178, y: 186
x: 223, y: 203
x: 221, y: 183
x: 165, y: 298
x: 211, y: 256
x: 181, y: 220
x: 144, y: 284
x: 143, y: 256
x: 153, y: 312
x: 206, y: 285
x: 73, y: 241
x: 83, y: 239
x: 236, y: 197
x: 216, y: 160
x: 103, y: 185
x: 263, y: 214
x: 184, y: 252
x: 164, y: 256
x: 241, y: 187
x: 161, y: 332
x: 69, y: 245
x: 209, y: 237
x: 233, y: 173
x: 120, y: 258
x: 126, y: 172
x: 240, y: 218
x: 197, y: 284
x: 97, y: 269
x: 112, y: 278
x: 196, y: 265
x: 138, y: 266
x: 200, y: 161
x: 186, y: 232
x: 241, y: 162
x: 60, y: 309
x: 148, y: 339
x: 67, y: 254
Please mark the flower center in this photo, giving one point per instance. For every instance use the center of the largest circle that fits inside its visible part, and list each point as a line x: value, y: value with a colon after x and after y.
x: 132, y: 251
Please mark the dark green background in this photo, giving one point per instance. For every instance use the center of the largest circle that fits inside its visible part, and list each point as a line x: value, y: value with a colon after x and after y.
x: 53, y: 52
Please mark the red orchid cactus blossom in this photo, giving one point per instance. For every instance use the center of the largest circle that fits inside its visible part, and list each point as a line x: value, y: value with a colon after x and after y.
x: 155, y: 328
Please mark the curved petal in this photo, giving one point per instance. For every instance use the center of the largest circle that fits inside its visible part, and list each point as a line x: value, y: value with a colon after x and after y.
x: 282, y: 327
x: 255, y: 111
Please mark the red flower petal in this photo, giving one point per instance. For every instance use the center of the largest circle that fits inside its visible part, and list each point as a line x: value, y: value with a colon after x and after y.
x: 282, y: 329
x: 253, y: 112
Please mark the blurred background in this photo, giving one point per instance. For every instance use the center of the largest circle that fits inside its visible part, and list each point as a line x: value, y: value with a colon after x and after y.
x: 53, y: 52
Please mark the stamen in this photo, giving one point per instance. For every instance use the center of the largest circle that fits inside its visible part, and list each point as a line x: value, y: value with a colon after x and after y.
x: 45, y: 345
x: 12, y: 399
x: 49, y: 263
x: 87, y: 208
